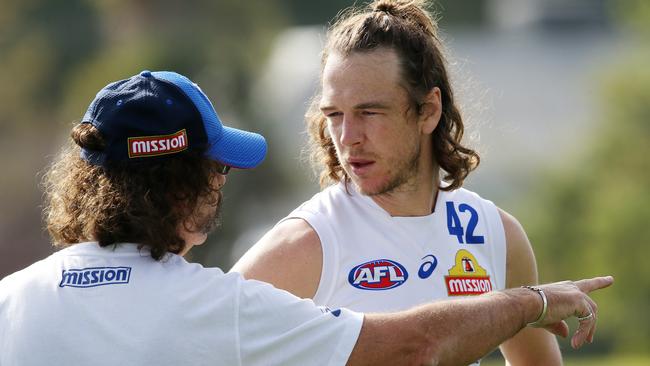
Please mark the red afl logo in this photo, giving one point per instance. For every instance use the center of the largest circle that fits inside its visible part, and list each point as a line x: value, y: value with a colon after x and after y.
x: 379, y: 274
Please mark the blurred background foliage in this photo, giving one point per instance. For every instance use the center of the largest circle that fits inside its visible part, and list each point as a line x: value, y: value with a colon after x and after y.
x: 587, y: 213
x: 595, y: 213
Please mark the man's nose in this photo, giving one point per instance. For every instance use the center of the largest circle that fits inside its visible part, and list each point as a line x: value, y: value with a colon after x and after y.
x: 351, y: 131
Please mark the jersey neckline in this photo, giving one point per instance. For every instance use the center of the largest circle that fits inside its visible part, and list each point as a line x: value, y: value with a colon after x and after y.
x: 93, y: 248
x: 367, y: 200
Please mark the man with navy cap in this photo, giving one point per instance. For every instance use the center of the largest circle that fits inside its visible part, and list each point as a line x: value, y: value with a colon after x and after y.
x: 138, y: 187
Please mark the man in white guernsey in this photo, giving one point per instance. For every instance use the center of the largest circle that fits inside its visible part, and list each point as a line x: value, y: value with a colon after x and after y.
x: 393, y: 227
x: 138, y: 188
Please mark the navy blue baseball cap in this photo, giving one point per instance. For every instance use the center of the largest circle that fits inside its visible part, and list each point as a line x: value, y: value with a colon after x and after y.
x: 156, y: 115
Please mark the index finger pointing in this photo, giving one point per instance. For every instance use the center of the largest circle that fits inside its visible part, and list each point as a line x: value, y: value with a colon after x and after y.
x: 595, y: 283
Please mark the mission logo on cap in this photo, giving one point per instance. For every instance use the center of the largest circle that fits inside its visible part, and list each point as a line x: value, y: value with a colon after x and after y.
x: 156, y: 115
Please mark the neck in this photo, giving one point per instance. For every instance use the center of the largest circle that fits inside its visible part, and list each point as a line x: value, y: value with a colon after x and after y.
x: 414, y: 198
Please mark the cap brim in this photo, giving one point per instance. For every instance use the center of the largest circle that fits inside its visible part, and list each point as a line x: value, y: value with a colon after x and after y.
x: 238, y: 148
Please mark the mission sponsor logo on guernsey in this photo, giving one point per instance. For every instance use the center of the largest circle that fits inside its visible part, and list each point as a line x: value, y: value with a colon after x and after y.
x: 379, y: 274
x: 467, y: 277
x: 145, y: 146
x: 95, y: 276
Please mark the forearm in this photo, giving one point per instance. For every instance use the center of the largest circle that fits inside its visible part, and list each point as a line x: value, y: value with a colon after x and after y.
x: 463, y: 331
x: 454, y: 332
x: 458, y: 332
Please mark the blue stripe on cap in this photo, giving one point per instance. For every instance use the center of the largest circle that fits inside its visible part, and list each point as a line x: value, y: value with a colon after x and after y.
x: 231, y: 146
x: 211, y: 122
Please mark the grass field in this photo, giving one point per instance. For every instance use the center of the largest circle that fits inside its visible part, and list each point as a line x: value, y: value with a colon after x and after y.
x: 621, y: 360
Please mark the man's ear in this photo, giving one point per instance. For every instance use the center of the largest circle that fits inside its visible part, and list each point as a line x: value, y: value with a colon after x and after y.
x: 431, y: 111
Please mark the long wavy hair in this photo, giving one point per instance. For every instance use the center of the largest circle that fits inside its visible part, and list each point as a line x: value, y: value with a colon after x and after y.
x: 125, y: 202
x: 408, y: 29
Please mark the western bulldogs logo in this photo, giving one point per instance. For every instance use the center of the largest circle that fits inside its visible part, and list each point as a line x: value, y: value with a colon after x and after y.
x: 379, y: 274
x: 467, y: 277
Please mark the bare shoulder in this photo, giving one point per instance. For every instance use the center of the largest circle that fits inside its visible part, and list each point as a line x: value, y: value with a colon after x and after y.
x: 521, y: 267
x: 289, y: 257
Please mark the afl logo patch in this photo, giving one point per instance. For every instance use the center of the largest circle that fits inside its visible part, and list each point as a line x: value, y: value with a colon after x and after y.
x: 379, y: 274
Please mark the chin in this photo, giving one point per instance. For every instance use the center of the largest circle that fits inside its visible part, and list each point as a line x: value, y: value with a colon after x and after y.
x: 368, y: 188
x: 190, y: 245
x: 201, y: 240
x: 378, y: 186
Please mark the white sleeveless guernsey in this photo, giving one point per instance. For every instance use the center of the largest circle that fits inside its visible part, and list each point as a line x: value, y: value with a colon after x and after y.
x: 373, y: 262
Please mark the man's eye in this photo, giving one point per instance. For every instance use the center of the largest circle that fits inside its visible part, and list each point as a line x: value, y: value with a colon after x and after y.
x: 369, y: 113
x: 332, y: 114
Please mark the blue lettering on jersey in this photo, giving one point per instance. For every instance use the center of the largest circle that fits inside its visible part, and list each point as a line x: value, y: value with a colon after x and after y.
x: 456, y: 228
x: 95, y: 276
x: 427, y: 268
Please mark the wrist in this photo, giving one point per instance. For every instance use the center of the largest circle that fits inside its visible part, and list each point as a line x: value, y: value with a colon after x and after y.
x: 542, y: 311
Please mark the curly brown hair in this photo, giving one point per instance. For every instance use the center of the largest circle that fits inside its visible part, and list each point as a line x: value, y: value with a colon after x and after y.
x: 408, y: 29
x: 136, y: 203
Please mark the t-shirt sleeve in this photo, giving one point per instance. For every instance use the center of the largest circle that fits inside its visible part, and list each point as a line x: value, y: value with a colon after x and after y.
x: 277, y: 328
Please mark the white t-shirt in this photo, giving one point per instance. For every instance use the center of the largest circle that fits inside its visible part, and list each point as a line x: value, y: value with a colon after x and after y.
x: 87, y: 305
x: 374, y: 262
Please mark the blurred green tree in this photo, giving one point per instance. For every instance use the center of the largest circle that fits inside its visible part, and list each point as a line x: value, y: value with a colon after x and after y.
x: 593, y: 218
x: 54, y: 56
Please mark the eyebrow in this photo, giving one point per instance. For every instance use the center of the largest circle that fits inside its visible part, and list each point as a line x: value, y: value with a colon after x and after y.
x: 367, y: 105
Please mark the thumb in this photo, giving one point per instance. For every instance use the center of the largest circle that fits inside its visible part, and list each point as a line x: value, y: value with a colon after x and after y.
x: 560, y: 328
